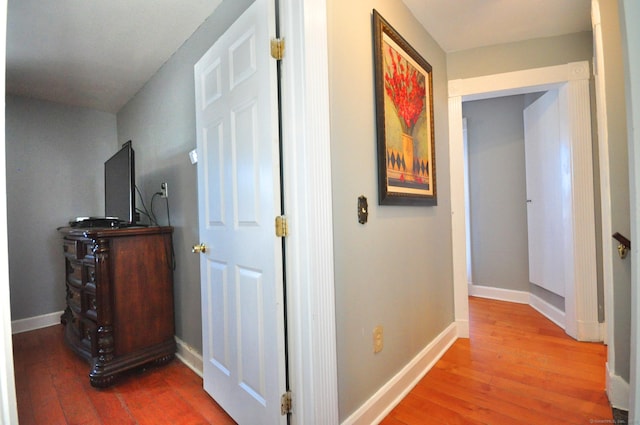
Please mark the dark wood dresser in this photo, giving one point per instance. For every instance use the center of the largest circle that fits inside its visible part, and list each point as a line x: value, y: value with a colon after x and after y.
x: 119, y: 285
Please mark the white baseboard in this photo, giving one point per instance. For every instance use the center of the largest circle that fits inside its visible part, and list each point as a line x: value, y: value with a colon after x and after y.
x: 552, y: 313
x: 520, y: 297
x: 374, y: 410
x: 590, y: 331
x: 37, y: 322
x: 189, y: 356
x: 617, y: 391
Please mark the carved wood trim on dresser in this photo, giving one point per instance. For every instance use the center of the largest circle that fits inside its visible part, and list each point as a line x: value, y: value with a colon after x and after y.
x: 120, y: 309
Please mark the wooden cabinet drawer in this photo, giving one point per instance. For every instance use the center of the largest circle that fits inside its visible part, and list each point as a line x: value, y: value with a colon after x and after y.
x: 74, y: 273
x: 90, y: 274
x: 90, y: 305
x: 87, y: 249
x: 89, y: 337
x: 76, y: 324
x: 77, y: 249
x: 74, y: 300
x: 70, y: 248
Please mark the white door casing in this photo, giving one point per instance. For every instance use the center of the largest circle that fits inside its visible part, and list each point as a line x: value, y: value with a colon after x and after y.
x: 8, y: 403
x: 581, y: 306
x: 630, y: 14
x: 307, y: 175
x: 548, y: 177
x: 239, y: 198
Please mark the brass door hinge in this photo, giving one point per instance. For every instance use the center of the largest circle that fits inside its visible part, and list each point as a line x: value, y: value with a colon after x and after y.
x: 277, y: 48
x: 282, y: 227
x: 285, y: 403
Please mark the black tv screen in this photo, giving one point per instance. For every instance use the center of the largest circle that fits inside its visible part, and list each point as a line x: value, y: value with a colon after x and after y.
x: 119, y: 185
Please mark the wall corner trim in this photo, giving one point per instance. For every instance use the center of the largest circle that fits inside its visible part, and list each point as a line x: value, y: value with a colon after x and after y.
x: 617, y: 390
x: 189, y: 356
x: 510, y: 295
x: 374, y: 410
x: 578, y: 71
x: 455, y: 88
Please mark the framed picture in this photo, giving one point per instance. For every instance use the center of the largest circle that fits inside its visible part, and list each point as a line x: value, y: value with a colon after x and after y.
x: 404, y: 120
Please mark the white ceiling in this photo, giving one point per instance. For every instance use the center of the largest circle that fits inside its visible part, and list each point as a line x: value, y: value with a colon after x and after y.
x: 98, y: 54
x: 94, y: 54
x: 466, y: 24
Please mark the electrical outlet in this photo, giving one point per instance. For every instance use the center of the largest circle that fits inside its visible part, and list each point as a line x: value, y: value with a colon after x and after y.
x: 164, y: 187
x: 378, y: 339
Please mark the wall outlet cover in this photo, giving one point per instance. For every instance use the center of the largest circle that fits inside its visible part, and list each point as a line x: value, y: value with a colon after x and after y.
x: 378, y: 339
x: 193, y: 156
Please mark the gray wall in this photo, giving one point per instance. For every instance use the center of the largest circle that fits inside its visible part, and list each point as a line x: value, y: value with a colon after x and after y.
x: 619, y: 182
x: 160, y: 121
x: 55, y: 157
x: 395, y: 271
x: 497, y: 192
x: 536, y: 53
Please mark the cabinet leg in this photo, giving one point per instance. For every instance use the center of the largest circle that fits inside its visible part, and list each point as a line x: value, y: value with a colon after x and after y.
x: 101, y: 381
x: 66, y: 316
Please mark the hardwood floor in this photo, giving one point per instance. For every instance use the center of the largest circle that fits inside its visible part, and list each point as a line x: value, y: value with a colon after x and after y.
x: 52, y: 387
x: 517, y: 367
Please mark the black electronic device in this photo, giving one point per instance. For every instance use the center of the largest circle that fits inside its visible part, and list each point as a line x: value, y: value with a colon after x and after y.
x: 120, y: 186
x: 91, y: 222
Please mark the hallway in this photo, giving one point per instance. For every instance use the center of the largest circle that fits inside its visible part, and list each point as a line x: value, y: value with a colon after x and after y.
x: 517, y: 367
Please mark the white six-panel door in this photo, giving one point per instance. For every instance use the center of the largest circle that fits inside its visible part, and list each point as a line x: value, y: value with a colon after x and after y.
x: 239, y: 198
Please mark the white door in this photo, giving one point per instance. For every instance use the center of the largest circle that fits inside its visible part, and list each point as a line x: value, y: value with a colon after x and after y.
x: 238, y: 200
x: 548, y: 178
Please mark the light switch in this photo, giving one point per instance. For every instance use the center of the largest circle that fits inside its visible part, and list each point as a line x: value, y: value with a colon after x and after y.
x: 363, y: 209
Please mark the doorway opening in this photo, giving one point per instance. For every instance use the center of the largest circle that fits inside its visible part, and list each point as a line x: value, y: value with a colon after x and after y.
x: 513, y: 196
x: 581, y: 304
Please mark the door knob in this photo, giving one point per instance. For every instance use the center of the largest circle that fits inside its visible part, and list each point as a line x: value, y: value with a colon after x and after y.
x: 199, y: 249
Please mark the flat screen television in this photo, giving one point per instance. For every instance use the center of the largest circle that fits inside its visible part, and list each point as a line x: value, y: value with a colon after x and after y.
x: 120, y: 185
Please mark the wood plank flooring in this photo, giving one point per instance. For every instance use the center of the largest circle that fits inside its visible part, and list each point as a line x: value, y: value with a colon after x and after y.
x: 52, y: 387
x: 517, y: 367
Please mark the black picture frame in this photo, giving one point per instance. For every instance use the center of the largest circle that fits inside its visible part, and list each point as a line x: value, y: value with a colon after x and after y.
x: 404, y: 120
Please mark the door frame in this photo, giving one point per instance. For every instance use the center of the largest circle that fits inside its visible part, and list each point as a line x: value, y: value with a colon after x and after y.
x: 581, y: 306
x: 313, y: 375
x: 629, y: 15
x: 8, y: 403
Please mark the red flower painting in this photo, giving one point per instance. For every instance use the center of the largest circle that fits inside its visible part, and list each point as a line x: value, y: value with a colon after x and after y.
x: 405, y: 85
x: 404, y: 119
